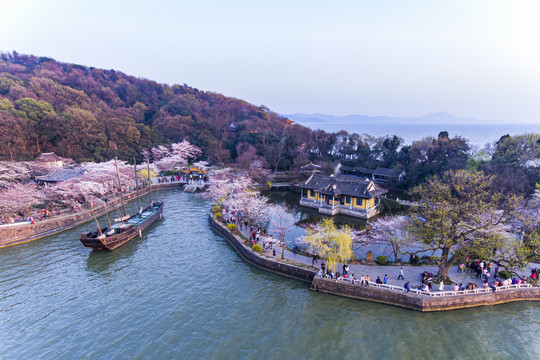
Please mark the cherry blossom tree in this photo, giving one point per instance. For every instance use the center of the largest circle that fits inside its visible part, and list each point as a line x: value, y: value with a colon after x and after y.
x: 20, y: 198
x: 258, y: 209
x: 175, y: 155
x: 12, y: 172
x: 225, y: 187
x: 390, y: 230
x: 281, y: 222
x: 19, y: 171
x: 201, y: 165
x: 74, y: 191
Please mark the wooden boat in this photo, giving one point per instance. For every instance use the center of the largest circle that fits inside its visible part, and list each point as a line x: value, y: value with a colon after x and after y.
x: 122, y: 232
x: 126, y: 227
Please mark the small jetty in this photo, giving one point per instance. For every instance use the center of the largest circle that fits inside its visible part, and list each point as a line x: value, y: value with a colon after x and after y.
x: 191, y: 188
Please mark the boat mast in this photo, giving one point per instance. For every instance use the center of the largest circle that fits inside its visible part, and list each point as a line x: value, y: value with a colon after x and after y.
x: 149, y: 180
x: 95, y: 218
x: 136, y: 183
x: 120, y: 186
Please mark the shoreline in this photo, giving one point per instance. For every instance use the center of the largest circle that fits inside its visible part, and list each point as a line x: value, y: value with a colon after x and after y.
x: 383, y: 294
x: 24, y: 233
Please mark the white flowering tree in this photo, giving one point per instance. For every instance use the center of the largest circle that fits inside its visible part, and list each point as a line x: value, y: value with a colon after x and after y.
x: 258, y: 209
x: 174, y: 156
x: 73, y: 192
x: 20, y: 198
x: 389, y: 230
x: 12, y: 172
x: 281, y: 221
x: 227, y: 189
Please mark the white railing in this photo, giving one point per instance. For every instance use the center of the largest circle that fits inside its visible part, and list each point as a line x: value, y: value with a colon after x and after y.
x: 434, y: 293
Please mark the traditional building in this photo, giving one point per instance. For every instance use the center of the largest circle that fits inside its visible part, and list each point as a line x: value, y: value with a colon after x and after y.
x: 380, y: 175
x: 333, y: 195
x: 58, y: 175
x: 50, y: 160
x: 195, y: 172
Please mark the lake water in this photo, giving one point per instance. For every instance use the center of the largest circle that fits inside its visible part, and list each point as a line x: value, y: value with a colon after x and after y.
x: 477, y: 134
x: 181, y: 292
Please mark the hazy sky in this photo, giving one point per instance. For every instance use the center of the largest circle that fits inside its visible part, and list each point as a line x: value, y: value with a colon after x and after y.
x: 397, y: 58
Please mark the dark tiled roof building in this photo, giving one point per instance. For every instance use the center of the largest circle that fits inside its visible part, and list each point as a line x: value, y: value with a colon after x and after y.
x: 341, y: 195
x: 58, y: 175
x: 50, y: 159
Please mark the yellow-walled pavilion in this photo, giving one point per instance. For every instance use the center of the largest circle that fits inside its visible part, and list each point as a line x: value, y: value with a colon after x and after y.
x: 333, y: 195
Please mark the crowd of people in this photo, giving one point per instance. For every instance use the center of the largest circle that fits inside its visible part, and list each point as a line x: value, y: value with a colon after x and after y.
x: 256, y: 235
x: 187, y: 178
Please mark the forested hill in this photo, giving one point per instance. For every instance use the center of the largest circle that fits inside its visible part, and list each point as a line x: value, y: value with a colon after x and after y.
x: 86, y: 113
x: 80, y: 112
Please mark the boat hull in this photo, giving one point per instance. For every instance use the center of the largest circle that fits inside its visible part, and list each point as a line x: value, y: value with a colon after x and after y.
x: 91, y: 240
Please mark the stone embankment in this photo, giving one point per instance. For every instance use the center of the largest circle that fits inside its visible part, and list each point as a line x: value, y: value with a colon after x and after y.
x: 16, y: 234
x: 427, y: 302
x: 20, y: 234
x: 296, y: 271
x: 382, y: 293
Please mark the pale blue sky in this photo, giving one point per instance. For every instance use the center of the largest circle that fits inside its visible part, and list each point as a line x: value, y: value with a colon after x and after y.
x: 396, y: 58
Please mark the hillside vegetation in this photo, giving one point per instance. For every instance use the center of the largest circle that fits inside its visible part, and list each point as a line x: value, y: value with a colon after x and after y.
x: 90, y: 114
x: 78, y: 112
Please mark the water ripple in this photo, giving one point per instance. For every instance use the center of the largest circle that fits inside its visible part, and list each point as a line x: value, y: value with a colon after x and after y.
x: 182, y: 292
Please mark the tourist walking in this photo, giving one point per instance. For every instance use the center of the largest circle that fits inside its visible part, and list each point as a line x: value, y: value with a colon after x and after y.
x: 385, y: 279
x: 323, y: 265
x: 294, y: 249
x: 274, y: 255
x: 400, y: 276
x: 441, y: 285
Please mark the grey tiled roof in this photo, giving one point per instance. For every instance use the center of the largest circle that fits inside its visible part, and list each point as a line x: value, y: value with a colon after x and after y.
x: 341, y: 185
x: 48, y: 157
x: 60, y: 175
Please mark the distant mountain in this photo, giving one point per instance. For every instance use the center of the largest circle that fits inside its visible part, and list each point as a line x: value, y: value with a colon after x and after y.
x: 435, y: 118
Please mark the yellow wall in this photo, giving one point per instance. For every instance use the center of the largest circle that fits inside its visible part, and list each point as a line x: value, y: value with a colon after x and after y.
x: 366, y: 203
x: 354, y: 203
x: 308, y: 196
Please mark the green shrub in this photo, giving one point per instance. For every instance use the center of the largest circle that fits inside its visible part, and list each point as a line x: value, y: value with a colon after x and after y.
x: 505, y: 274
x: 257, y: 247
x: 216, y: 209
x: 389, y: 205
x: 231, y: 227
x: 217, y: 215
x: 381, y: 259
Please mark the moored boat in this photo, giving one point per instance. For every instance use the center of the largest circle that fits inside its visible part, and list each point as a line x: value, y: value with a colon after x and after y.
x: 128, y: 226
x: 121, y: 232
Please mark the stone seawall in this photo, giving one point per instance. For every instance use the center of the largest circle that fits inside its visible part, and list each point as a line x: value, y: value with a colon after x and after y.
x: 260, y: 261
x: 413, y: 301
x: 20, y: 234
x: 421, y: 302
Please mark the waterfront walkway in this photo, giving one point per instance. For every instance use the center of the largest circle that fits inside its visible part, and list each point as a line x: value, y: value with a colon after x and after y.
x: 412, y: 273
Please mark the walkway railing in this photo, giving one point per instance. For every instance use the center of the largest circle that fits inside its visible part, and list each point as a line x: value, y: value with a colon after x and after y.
x: 434, y: 293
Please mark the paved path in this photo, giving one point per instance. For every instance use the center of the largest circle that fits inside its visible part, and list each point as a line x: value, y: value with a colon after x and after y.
x: 412, y: 273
